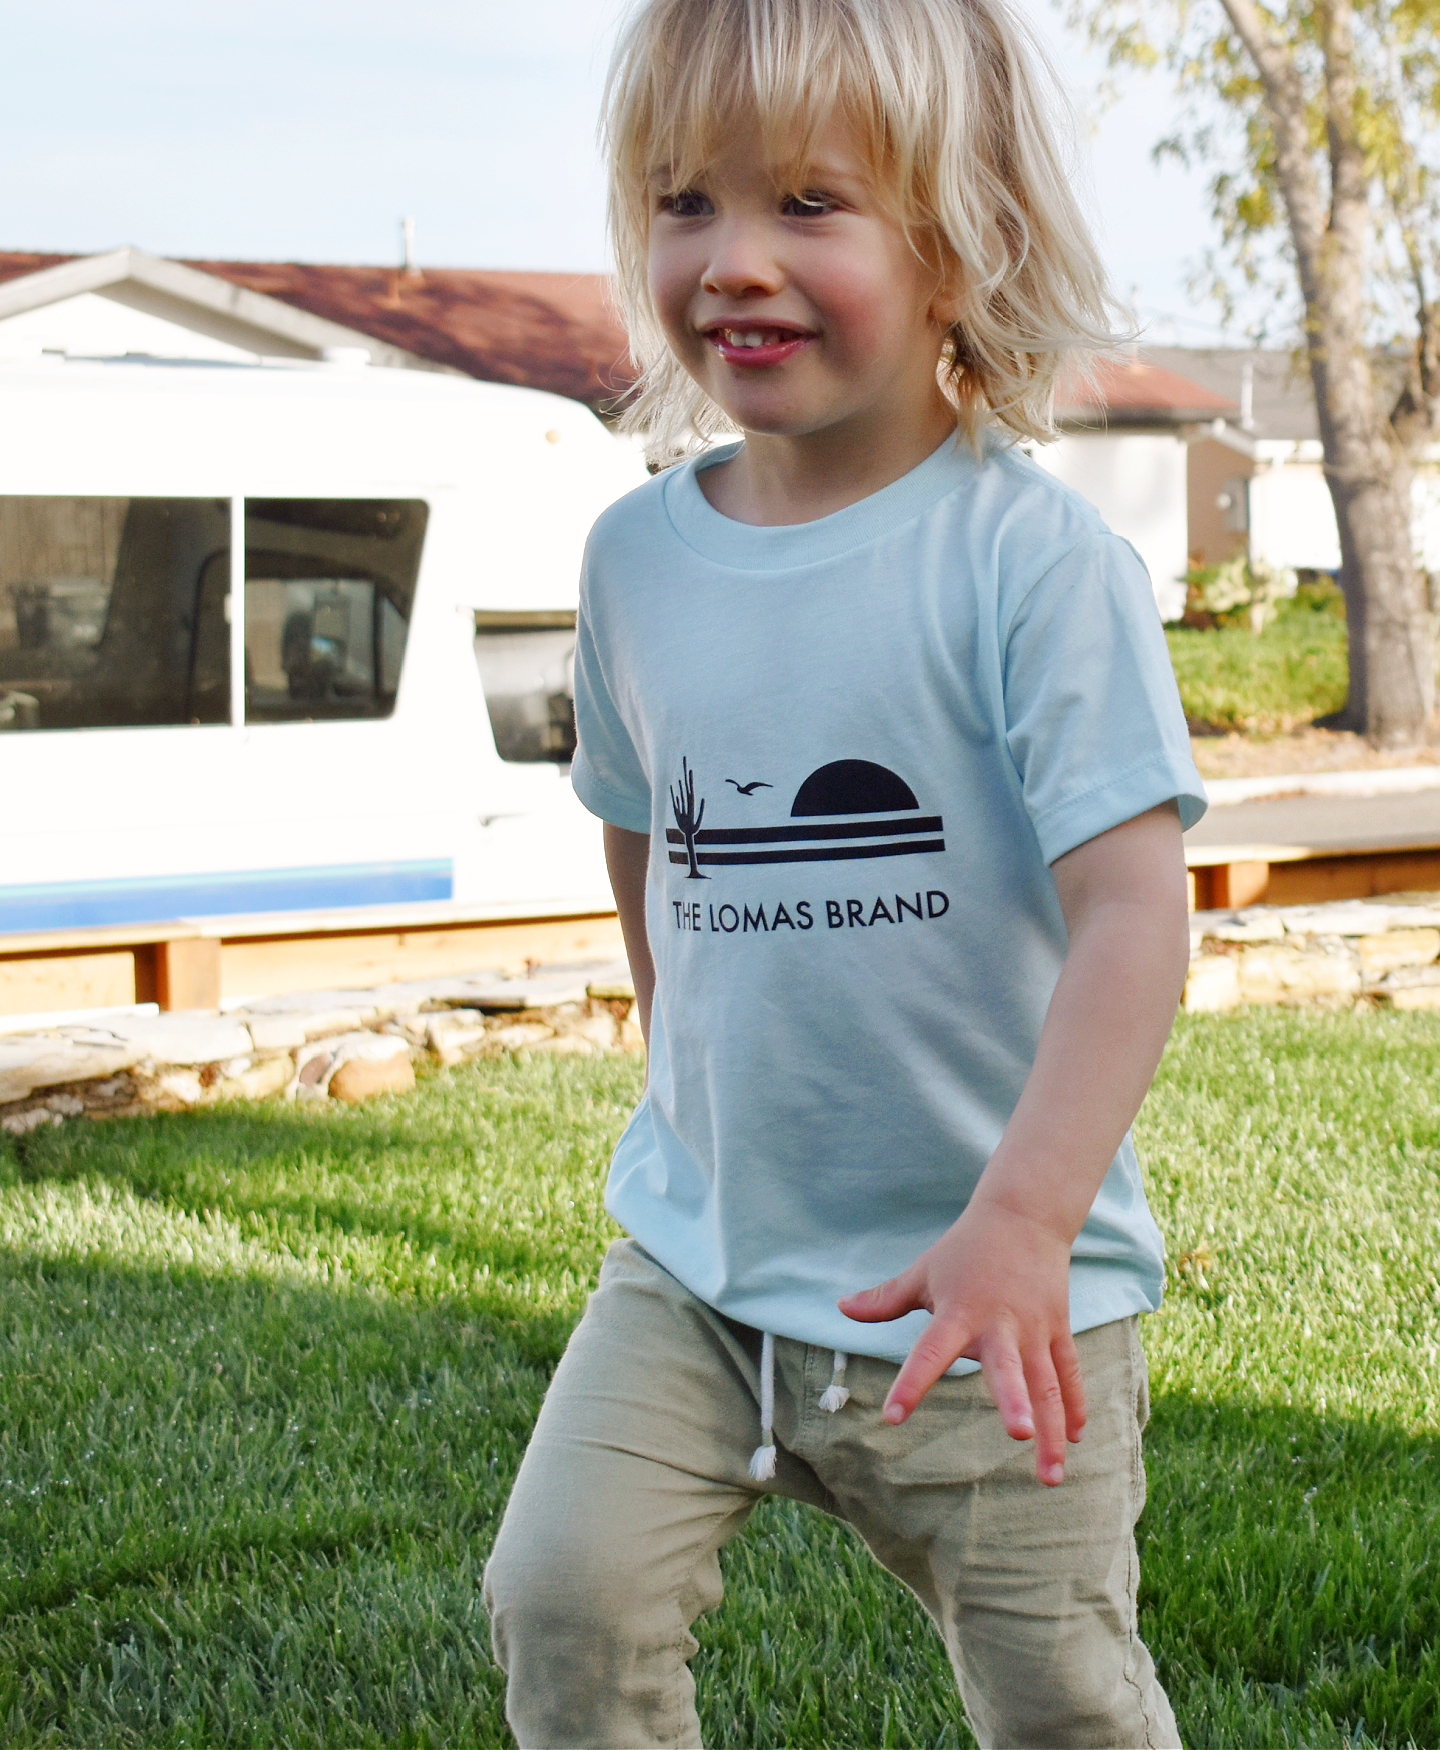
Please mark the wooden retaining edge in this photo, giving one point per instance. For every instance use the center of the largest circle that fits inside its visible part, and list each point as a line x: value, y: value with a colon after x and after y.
x: 1223, y: 877
x: 198, y: 963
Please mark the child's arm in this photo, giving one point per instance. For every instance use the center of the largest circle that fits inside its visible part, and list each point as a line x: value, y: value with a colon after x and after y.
x: 627, y: 856
x: 998, y: 1281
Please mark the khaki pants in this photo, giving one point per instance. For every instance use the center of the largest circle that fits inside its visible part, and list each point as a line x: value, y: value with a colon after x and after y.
x: 637, y: 1474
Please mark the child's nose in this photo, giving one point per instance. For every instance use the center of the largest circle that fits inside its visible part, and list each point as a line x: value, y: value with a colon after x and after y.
x: 741, y: 261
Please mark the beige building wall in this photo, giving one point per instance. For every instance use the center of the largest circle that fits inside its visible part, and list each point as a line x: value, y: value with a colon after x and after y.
x: 1217, y: 531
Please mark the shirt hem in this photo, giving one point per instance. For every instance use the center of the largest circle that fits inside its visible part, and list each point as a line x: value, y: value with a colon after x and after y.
x: 1078, y: 819
x: 610, y: 805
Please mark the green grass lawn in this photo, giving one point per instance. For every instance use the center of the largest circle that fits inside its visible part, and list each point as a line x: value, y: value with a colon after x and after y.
x: 265, y: 1376
x: 1295, y: 671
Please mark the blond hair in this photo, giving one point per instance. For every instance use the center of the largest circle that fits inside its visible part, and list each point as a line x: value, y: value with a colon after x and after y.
x: 956, y: 108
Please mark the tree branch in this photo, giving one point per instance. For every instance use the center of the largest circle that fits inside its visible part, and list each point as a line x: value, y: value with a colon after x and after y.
x: 1347, y: 155
x: 1285, y: 100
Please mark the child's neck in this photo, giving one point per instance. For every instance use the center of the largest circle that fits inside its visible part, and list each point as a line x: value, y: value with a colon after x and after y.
x: 781, y: 479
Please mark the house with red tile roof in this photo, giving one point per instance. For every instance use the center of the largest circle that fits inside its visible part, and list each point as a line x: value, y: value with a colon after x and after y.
x: 553, y: 331
x: 1189, y: 453
x: 1128, y: 434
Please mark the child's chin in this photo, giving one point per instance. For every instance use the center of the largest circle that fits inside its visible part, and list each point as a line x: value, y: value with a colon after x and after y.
x: 754, y: 415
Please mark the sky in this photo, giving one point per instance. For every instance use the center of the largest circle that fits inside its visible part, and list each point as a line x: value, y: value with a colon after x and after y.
x: 306, y: 129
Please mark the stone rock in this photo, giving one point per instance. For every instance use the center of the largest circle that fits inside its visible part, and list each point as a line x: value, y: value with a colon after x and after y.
x: 542, y: 991
x: 597, y: 1030
x: 180, y: 1038
x: 1422, y: 996
x: 270, y: 1076
x: 522, y: 1036
x: 455, y: 1034
x: 283, y: 1031
x: 1286, y: 975
x: 22, y: 1123
x: 1411, y: 987
x: 44, y: 1060
x: 612, y: 983
x: 121, y: 1087
x: 177, y: 1087
x: 563, y: 1045
x: 361, y: 1078
x: 411, y: 995
x: 1397, y: 948
x: 67, y: 1105
x: 1342, y: 917
x: 316, y: 1063
x: 1255, y: 924
x: 1213, y: 984
x: 276, y: 1032
x: 1409, y: 917
x: 313, y: 1066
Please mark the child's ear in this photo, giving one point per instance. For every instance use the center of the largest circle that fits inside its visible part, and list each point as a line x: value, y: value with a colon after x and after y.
x: 945, y: 306
x: 947, y: 301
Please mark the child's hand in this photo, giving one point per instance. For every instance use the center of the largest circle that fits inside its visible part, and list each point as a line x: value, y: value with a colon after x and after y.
x: 998, y: 1286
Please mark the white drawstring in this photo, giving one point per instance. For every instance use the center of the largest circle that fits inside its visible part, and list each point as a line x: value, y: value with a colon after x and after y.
x: 834, y: 1397
x: 837, y: 1394
x: 762, y: 1460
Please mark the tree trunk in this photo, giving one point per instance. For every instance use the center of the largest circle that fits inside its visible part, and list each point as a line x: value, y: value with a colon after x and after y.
x: 1391, y: 655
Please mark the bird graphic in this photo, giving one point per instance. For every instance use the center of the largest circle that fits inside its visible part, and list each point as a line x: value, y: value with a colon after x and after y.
x: 750, y: 788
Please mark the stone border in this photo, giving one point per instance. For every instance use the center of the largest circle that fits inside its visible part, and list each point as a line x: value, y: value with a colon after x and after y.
x: 353, y: 1044
x: 1372, y: 952
x: 312, y: 1047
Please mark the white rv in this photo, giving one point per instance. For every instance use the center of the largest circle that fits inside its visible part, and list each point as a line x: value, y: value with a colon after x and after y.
x: 284, y: 636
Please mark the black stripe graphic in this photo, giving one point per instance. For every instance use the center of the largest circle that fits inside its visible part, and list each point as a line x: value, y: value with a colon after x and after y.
x: 779, y: 835
x: 827, y: 854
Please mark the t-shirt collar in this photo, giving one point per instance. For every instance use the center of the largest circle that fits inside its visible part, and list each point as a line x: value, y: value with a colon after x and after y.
x: 752, y: 547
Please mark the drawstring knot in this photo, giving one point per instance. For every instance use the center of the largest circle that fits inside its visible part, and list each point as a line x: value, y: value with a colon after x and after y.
x: 837, y: 1394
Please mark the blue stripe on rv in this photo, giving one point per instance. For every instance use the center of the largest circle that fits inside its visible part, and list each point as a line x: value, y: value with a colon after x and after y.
x: 60, y: 905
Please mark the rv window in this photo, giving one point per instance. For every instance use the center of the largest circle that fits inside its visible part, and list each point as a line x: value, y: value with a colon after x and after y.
x: 527, y: 667
x: 329, y: 585
x: 112, y: 612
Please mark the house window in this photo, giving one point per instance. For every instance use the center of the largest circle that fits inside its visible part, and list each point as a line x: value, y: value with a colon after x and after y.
x: 527, y: 668
x: 112, y: 612
x: 329, y: 585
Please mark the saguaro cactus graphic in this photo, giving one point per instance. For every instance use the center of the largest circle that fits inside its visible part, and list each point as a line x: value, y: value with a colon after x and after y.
x: 687, y: 818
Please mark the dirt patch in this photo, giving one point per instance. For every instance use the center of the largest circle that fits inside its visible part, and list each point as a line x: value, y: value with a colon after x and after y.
x: 1301, y: 750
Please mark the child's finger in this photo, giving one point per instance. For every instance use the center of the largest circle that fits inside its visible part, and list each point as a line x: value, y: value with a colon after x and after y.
x: 1005, y: 1376
x: 935, y: 1351
x: 1047, y: 1410
x: 891, y: 1300
x: 1072, y: 1384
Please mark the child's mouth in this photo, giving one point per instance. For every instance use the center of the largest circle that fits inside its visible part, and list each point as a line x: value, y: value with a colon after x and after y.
x: 757, y: 344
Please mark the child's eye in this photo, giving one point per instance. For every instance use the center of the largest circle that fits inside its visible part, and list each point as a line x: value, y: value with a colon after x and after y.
x: 685, y: 203
x: 810, y: 205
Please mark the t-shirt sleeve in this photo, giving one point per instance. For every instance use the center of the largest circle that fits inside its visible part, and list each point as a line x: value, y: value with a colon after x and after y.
x: 1093, y: 716
x: 607, y: 771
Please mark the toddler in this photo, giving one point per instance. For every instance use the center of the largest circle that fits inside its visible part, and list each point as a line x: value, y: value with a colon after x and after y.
x: 881, y: 725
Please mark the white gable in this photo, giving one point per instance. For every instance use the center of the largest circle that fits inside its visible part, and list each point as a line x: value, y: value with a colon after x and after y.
x: 91, y: 325
x: 127, y: 301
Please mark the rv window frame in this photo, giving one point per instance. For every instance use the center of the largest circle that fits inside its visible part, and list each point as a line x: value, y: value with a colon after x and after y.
x: 235, y: 608
x: 234, y: 604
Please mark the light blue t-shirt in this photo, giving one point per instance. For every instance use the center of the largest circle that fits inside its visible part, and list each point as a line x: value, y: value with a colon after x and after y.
x: 856, y: 745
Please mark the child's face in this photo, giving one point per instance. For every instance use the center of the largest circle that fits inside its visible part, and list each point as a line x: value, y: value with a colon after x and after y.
x: 796, y: 314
